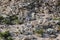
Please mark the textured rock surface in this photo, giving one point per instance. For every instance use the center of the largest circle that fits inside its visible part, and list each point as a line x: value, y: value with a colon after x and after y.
x: 30, y: 15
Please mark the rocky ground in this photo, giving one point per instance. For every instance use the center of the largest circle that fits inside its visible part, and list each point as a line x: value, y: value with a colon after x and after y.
x: 30, y: 19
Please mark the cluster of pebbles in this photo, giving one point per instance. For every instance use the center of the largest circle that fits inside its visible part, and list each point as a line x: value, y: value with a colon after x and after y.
x: 35, y: 14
